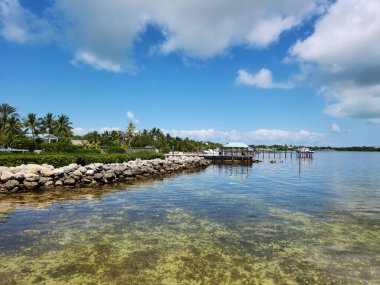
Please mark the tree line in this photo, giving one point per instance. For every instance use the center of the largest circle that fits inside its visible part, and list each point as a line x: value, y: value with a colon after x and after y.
x: 14, y: 128
x: 155, y: 137
x: 18, y: 132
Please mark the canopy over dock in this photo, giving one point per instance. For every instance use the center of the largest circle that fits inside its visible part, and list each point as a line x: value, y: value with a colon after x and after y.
x: 235, y: 145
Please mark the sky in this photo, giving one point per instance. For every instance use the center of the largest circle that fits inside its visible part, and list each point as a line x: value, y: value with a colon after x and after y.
x: 303, y: 72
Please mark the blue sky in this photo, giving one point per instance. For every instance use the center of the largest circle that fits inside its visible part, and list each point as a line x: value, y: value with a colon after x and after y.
x: 300, y: 72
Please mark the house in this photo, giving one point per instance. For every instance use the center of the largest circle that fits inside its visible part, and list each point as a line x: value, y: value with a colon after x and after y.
x: 80, y: 142
x: 142, y: 149
x: 45, y: 137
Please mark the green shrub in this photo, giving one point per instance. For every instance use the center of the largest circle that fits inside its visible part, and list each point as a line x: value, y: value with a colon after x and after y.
x: 59, y: 160
x: 114, y: 149
x: 60, y: 147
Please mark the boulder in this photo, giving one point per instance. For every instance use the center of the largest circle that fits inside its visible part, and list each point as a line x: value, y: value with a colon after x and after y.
x: 49, y: 184
x: 69, y: 181
x: 32, y: 170
x: 30, y: 185
x: 6, y: 175
x: 58, y: 183
x: 58, y: 172
x: 31, y: 177
x: 77, y: 173
x: 90, y: 172
x: 47, y: 172
x: 82, y: 169
x: 109, y: 175
x: 19, y: 176
x: 98, y: 176
x: 11, y: 184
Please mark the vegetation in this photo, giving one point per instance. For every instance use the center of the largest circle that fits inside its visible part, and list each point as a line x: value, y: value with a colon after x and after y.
x: 26, y: 134
x: 14, y: 130
x: 59, y: 160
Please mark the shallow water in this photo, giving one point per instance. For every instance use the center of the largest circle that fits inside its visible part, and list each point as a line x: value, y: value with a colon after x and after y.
x: 313, y: 222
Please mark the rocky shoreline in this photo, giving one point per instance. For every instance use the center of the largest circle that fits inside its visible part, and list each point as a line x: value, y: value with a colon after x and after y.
x: 33, y: 177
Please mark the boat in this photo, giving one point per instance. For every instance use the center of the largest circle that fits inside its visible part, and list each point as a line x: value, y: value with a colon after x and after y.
x: 211, y: 152
x: 304, y: 150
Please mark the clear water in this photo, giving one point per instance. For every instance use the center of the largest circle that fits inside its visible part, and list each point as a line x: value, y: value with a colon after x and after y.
x: 313, y: 222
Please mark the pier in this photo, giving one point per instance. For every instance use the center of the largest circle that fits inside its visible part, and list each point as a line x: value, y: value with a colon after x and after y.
x: 239, y: 153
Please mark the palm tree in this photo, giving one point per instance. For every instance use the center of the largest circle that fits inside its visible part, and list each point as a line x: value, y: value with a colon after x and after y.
x: 13, y: 130
x: 6, y: 112
x: 48, y: 122
x: 62, y: 126
x: 94, y: 139
x: 130, y: 133
x: 32, y: 123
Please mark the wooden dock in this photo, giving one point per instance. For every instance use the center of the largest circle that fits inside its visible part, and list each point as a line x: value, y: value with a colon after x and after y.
x: 240, y: 159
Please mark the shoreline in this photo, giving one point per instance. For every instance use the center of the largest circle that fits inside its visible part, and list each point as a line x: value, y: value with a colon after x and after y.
x: 34, y: 177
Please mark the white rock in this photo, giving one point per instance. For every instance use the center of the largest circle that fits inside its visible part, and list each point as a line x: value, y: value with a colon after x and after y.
x: 6, y: 175
x: 47, y: 172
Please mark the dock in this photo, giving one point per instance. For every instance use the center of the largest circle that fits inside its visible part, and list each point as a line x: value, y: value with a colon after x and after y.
x: 242, y: 159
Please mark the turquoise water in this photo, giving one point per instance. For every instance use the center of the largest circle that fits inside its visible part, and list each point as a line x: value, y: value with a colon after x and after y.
x: 313, y: 221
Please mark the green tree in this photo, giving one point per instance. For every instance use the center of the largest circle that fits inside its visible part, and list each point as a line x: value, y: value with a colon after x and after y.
x: 32, y: 123
x: 10, y: 127
x: 13, y: 131
x: 63, y: 126
x: 130, y: 133
x: 48, y: 123
x: 6, y: 112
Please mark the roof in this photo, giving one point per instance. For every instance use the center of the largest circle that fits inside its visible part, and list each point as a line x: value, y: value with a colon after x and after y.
x: 43, y: 136
x: 79, y: 142
x: 236, y: 145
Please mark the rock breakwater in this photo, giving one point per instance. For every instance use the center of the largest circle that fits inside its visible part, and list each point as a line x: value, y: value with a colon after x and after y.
x: 34, y: 177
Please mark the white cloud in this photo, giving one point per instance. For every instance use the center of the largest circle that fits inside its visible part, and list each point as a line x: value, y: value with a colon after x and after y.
x: 102, y: 33
x: 335, y: 128
x: 344, y: 47
x: 262, y: 79
x: 78, y: 131
x: 132, y: 117
x: 347, y: 99
x: 251, y: 137
x: 21, y: 26
x: 99, y: 64
x: 106, y: 129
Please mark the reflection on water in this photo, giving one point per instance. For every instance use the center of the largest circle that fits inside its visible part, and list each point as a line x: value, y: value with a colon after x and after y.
x: 262, y: 224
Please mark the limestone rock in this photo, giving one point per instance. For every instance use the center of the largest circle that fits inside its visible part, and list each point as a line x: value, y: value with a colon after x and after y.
x: 47, y: 172
x: 30, y: 185
x: 77, y: 172
x: 19, y: 175
x: 109, y: 175
x: 31, y: 177
x: 6, y: 175
x: 10, y: 184
x: 69, y: 181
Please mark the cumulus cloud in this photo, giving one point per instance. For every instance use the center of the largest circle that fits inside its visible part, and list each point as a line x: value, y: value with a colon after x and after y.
x: 106, y: 129
x: 78, y: 131
x: 262, y: 79
x: 102, y: 33
x: 335, y: 128
x: 95, y: 62
x: 251, y: 137
x: 19, y: 25
x: 344, y: 47
x: 132, y: 117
